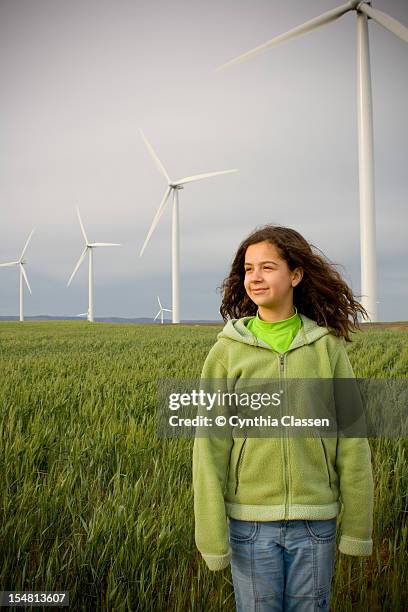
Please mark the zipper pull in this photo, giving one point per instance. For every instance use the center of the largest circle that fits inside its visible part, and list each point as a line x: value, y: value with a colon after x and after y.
x: 282, y: 360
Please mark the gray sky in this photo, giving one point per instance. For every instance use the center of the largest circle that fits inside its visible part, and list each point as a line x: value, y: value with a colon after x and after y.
x: 80, y: 78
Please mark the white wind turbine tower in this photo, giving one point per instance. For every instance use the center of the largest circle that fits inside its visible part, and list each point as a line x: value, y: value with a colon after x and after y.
x: 89, y: 246
x: 175, y: 245
x: 161, y: 311
x: 21, y: 262
x: 364, y: 11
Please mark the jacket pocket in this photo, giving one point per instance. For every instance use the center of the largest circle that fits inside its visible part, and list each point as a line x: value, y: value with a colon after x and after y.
x: 239, y: 464
x: 311, y: 472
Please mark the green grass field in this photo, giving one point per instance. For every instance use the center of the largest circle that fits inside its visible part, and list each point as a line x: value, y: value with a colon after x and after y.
x: 93, y: 502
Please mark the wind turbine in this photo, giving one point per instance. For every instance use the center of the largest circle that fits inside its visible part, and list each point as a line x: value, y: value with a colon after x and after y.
x: 89, y: 246
x: 364, y: 11
x: 21, y: 262
x: 161, y: 311
x: 175, y: 245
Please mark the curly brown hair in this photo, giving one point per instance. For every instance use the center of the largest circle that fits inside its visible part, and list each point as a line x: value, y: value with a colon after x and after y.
x: 321, y: 295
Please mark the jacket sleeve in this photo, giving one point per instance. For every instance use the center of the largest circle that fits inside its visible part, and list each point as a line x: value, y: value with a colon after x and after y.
x: 211, y: 457
x: 353, y: 464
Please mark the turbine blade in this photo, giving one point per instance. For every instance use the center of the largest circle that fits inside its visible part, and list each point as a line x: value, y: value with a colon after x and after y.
x: 155, y: 157
x: 103, y: 244
x: 389, y: 23
x: 156, y: 219
x: 11, y: 263
x: 158, y: 299
x: 310, y: 25
x: 26, y: 244
x: 80, y: 260
x: 82, y: 226
x: 25, y: 277
x: 167, y: 309
x: 157, y: 315
x: 198, y: 177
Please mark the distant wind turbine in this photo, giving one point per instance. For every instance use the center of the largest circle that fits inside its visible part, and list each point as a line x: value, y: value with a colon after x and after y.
x: 21, y: 262
x: 364, y: 11
x: 89, y: 246
x: 161, y: 311
x: 175, y: 245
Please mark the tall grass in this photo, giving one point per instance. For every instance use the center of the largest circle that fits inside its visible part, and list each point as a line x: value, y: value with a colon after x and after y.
x: 93, y: 502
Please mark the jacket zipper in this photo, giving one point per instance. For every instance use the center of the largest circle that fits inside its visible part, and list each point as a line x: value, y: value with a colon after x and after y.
x: 239, y: 465
x: 285, y: 442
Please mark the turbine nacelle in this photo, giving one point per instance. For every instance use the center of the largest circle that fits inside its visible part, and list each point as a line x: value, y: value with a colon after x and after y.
x: 356, y: 4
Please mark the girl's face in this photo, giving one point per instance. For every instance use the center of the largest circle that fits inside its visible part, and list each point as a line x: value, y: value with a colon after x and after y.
x: 268, y: 280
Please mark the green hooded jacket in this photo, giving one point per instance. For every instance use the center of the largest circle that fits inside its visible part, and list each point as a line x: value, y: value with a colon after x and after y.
x: 280, y: 478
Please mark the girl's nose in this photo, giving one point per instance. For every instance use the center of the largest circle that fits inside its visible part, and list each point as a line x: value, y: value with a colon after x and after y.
x: 256, y: 274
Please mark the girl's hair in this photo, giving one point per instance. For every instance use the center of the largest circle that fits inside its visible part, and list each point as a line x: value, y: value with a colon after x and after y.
x: 321, y: 295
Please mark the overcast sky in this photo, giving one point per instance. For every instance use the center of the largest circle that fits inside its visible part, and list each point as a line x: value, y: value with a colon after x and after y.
x: 80, y: 78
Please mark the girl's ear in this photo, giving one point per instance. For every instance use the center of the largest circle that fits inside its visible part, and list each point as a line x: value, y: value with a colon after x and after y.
x: 297, y: 276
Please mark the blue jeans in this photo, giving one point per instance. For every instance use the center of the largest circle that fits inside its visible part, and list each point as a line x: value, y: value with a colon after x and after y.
x: 282, y: 565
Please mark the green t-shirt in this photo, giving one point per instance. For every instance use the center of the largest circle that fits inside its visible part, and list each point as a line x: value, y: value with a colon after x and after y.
x: 279, y: 334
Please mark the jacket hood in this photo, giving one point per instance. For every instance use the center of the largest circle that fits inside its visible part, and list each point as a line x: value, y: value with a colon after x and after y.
x: 236, y: 330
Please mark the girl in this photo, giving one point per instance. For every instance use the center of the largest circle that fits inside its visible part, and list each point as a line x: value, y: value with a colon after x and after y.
x: 289, y: 312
